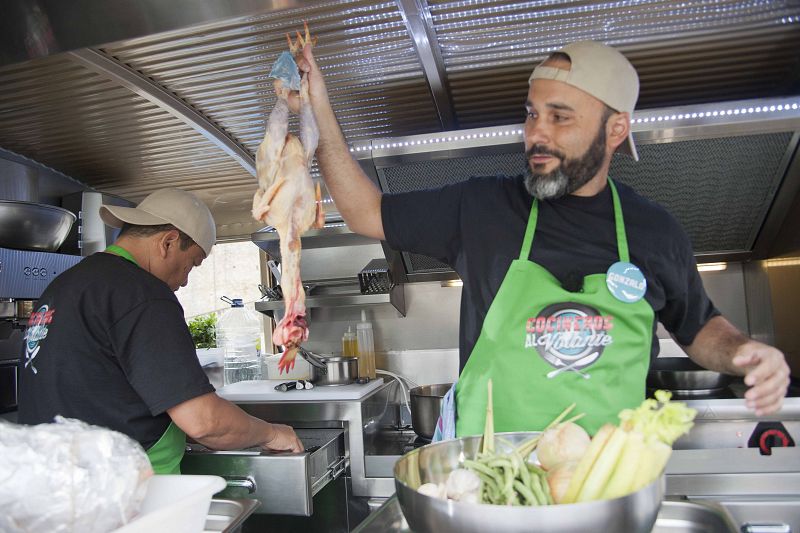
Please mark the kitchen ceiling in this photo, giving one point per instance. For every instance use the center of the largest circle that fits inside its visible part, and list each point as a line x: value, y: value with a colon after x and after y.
x: 186, y: 107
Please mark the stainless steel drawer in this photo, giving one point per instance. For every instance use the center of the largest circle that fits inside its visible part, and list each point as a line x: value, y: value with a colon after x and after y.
x: 284, y: 483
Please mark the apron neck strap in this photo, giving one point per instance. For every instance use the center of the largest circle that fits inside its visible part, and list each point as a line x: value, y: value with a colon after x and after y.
x: 122, y: 252
x: 622, y: 239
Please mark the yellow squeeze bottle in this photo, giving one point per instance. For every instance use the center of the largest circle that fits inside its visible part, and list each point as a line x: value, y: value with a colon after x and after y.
x: 349, y: 343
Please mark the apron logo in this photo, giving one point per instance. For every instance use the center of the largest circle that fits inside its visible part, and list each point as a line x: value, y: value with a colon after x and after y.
x: 569, y: 336
x: 36, y: 332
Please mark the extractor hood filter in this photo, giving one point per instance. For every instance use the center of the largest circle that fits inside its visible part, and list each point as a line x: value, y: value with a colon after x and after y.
x: 719, y: 188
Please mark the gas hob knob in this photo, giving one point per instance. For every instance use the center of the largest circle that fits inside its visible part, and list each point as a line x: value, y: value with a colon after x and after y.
x: 772, y: 438
x: 768, y: 435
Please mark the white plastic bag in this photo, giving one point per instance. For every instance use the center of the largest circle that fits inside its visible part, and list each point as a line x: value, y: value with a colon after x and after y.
x: 69, y: 476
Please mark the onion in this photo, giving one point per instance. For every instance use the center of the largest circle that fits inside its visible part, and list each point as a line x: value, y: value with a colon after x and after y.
x: 432, y: 489
x: 558, y: 479
x: 565, y: 442
x: 461, y: 483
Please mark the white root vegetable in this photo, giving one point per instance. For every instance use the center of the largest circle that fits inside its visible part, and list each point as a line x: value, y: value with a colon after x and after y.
x: 562, y: 443
x: 433, y: 489
x: 461, y: 483
x: 558, y: 479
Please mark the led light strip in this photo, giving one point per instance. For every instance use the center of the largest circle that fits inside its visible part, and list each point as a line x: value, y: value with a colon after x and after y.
x: 365, y: 146
x: 720, y: 112
x: 449, y: 138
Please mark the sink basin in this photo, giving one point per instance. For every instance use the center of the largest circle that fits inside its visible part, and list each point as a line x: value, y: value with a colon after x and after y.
x: 693, y: 517
x: 227, y: 515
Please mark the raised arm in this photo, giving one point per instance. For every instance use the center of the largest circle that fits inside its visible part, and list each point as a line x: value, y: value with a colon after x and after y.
x: 721, y: 347
x: 355, y: 195
x: 221, y: 425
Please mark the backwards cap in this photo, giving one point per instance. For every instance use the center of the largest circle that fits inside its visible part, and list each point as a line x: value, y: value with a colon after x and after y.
x: 602, y: 72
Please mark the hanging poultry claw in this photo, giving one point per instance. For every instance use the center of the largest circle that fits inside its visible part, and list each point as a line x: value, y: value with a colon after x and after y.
x: 286, y: 362
x: 297, y: 46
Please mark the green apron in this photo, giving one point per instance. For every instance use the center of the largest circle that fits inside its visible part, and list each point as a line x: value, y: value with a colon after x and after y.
x: 166, y: 454
x: 545, y: 348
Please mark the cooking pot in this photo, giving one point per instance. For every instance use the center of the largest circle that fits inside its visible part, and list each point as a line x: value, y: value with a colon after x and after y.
x: 32, y: 226
x: 426, y: 404
x: 331, y: 370
x: 683, y: 376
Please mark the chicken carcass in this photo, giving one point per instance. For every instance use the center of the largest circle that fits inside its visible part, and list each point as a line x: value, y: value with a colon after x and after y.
x: 287, y: 200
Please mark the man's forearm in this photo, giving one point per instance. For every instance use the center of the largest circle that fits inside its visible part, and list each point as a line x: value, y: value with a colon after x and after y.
x: 219, y: 424
x: 715, y: 346
x: 355, y: 195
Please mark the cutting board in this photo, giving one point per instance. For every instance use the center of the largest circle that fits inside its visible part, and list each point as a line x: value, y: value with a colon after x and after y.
x: 264, y: 391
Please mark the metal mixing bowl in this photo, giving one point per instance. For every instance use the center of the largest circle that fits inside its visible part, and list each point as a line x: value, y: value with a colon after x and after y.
x: 32, y: 226
x: 426, y: 404
x: 633, y: 513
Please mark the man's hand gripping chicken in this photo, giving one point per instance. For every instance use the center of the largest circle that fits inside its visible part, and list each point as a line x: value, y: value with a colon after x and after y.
x: 287, y: 200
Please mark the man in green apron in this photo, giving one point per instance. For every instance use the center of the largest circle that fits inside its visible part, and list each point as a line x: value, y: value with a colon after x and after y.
x: 566, y: 272
x: 108, y: 344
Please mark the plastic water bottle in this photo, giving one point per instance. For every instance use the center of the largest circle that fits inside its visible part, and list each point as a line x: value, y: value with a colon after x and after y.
x: 238, y: 333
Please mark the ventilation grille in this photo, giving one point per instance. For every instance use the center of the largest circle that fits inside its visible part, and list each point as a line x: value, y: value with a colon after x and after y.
x: 720, y: 189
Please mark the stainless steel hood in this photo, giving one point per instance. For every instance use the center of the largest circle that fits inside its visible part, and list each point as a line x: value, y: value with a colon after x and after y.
x: 133, y: 95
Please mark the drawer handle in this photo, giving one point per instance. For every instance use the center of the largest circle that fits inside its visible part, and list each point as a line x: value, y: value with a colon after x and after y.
x: 766, y: 528
x: 241, y: 482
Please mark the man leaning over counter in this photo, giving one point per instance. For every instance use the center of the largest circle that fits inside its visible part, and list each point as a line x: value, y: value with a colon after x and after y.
x: 108, y: 344
x: 566, y: 272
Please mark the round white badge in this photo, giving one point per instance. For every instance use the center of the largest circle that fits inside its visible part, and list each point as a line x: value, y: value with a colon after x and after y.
x: 626, y: 282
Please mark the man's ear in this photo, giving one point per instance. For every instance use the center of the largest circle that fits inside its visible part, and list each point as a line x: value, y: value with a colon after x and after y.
x: 168, y: 240
x: 618, y: 127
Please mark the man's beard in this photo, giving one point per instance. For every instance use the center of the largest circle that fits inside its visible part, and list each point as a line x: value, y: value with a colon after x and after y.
x: 570, y: 175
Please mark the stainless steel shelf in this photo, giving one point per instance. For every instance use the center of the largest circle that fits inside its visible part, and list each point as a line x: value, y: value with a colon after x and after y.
x: 329, y: 236
x: 350, y: 296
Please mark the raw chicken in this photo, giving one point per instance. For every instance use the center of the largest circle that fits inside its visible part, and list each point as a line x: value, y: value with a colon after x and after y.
x: 287, y: 200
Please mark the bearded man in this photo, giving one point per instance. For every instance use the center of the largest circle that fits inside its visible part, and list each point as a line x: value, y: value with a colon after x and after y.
x: 566, y: 272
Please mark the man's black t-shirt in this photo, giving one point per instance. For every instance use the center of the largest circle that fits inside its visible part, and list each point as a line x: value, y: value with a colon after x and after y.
x: 477, y: 227
x: 107, y: 344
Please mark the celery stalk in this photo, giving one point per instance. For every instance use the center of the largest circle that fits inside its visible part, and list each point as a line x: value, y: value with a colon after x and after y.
x: 587, y: 461
x: 653, y: 460
x: 603, y: 467
x: 488, y: 429
x: 622, y: 479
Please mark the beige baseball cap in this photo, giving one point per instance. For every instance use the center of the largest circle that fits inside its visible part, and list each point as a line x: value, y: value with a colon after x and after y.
x: 604, y: 73
x: 180, y: 208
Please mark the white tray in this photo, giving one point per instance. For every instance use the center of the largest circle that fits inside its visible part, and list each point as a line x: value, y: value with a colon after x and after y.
x: 264, y: 391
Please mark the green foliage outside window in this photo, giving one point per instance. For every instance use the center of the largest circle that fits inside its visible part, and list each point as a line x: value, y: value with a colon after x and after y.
x: 203, y: 331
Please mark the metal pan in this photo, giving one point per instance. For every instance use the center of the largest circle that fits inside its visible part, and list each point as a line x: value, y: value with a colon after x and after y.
x: 32, y: 226
x: 426, y: 404
x: 684, y: 376
x: 330, y: 370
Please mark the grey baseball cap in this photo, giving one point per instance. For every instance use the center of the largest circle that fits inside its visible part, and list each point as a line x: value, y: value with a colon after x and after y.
x: 602, y: 72
x: 180, y: 208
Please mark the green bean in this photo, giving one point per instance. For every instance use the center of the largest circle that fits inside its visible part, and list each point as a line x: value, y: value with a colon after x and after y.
x: 524, y: 474
x: 546, y: 489
x: 536, y: 470
x: 474, y: 465
x: 526, y: 493
x: 536, y: 487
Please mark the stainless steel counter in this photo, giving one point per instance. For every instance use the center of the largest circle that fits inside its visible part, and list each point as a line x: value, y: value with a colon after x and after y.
x: 674, y: 517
